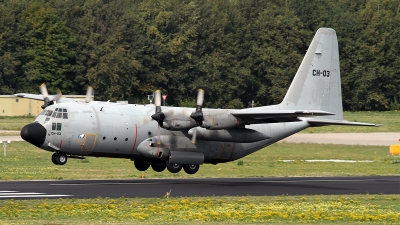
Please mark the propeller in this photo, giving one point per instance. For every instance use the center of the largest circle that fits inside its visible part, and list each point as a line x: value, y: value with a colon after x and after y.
x: 46, y: 99
x: 89, y: 94
x: 158, y: 116
x: 198, y: 114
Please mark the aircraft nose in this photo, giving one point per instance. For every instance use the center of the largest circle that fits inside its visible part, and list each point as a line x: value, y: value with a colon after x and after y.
x: 34, y: 133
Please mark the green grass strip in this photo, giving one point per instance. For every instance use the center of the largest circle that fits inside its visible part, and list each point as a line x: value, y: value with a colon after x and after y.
x: 281, y: 209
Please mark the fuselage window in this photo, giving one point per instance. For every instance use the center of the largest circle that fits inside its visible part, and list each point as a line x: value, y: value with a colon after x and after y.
x: 59, y: 126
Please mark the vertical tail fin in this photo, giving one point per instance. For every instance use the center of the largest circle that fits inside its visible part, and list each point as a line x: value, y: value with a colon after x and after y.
x: 316, y: 85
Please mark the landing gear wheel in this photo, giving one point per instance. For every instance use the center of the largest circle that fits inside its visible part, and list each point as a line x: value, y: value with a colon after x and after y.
x: 158, y: 167
x: 141, y: 165
x: 61, y: 158
x: 173, y: 167
x: 191, y: 168
x: 53, y: 158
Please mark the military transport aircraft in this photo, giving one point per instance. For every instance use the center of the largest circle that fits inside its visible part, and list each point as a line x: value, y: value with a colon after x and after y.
x: 175, y: 137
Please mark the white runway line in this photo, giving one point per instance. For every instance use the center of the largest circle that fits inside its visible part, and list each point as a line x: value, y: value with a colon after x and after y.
x: 328, y: 160
x: 16, y: 194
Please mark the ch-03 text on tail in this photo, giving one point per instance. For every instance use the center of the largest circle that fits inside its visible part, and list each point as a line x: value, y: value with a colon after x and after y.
x: 175, y: 137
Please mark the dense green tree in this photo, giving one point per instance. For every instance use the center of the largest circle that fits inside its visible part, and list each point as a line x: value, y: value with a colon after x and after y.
x: 49, y: 54
x: 238, y: 51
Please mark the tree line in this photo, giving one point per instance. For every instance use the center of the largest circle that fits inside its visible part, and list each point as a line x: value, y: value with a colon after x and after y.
x: 237, y: 51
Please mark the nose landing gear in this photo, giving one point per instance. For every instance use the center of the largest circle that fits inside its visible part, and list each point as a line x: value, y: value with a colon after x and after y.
x: 59, y: 158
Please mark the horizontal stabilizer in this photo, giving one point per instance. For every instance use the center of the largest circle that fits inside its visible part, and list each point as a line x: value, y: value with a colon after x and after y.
x: 325, y: 122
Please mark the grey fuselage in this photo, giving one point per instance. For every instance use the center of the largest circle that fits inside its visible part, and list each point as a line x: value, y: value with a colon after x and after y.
x: 116, y: 130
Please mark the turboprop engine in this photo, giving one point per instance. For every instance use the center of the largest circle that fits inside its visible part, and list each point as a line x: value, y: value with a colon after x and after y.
x: 229, y: 135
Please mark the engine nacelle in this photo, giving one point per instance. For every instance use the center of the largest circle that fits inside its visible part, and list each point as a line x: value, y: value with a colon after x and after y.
x: 229, y: 135
x: 178, y: 119
x: 218, y: 119
x: 151, y: 148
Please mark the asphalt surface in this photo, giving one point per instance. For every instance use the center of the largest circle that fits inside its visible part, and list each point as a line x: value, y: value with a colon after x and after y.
x: 199, y: 187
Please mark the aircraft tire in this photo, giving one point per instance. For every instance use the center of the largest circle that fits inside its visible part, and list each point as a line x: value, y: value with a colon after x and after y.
x: 140, y: 165
x: 61, y: 158
x: 53, y: 159
x: 158, y: 167
x: 173, y: 167
x: 191, y: 168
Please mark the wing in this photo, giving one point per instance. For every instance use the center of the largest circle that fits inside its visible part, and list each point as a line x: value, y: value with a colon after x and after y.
x: 40, y: 97
x: 30, y: 96
x: 254, y: 115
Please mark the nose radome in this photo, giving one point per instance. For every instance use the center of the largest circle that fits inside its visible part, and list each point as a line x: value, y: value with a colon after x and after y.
x: 34, y: 133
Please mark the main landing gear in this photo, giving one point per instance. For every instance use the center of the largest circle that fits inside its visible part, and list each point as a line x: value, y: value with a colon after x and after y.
x: 171, y: 167
x: 59, y: 158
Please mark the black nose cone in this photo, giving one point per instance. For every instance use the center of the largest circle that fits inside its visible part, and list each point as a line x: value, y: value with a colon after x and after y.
x: 34, y: 133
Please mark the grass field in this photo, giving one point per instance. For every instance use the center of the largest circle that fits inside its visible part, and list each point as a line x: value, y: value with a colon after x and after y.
x: 14, y: 123
x: 26, y: 162
x: 346, y: 209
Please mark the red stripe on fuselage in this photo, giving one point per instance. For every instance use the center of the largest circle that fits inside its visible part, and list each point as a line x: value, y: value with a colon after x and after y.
x: 136, y: 134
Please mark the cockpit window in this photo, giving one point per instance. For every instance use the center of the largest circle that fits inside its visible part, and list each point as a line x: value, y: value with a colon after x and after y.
x: 43, y: 112
x: 56, y: 126
x: 59, y: 126
x: 58, y: 113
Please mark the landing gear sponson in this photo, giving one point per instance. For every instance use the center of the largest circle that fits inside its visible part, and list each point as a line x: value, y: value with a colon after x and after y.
x: 60, y: 158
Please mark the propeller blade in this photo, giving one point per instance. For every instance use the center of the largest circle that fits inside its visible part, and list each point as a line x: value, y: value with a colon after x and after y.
x: 158, y: 115
x: 43, y: 90
x: 194, y: 136
x: 157, y: 99
x: 198, y: 114
x: 158, y: 137
x: 200, y: 98
x: 89, y: 94
x: 58, y: 96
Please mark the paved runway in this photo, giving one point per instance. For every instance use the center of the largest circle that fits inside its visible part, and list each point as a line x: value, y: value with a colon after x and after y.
x: 199, y: 187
